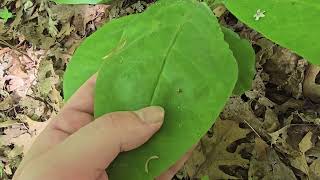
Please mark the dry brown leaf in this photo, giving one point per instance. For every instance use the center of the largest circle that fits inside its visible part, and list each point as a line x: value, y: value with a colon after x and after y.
x: 311, y: 88
x: 8, y: 123
x: 219, y: 10
x: 23, y: 135
x: 7, y: 169
x: 20, y: 70
x: 6, y: 100
x: 32, y: 107
x: 195, y: 161
x: 279, y: 139
x: 16, y: 151
x: 271, y: 122
x: 306, y: 142
x: 261, y: 149
x: 216, y: 154
x: 300, y: 163
x: 315, y: 169
x: 265, y: 164
x: 14, y: 131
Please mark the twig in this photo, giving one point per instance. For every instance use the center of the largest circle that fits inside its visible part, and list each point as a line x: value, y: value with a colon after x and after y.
x: 252, y: 128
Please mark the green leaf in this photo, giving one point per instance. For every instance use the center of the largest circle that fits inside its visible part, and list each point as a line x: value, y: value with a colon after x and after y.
x: 212, y: 3
x: 88, y: 57
x: 173, y: 55
x: 290, y: 23
x: 245, y: 56
x: 81, y: 1
x: 5, y: 14
x: 205, y: 178
x: 161, y: 67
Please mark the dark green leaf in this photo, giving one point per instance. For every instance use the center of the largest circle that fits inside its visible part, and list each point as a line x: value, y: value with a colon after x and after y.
x: 245, y: 56
x: 172, y: 55
x: 205, y: 178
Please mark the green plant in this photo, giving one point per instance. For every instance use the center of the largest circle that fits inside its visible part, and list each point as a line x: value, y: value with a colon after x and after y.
x: 175, y: 55
x: 205, y: 178
x: 290, y: 23
x: 5, y: 14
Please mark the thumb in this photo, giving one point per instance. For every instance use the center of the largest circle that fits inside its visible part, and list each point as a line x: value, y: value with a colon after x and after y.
x: 95, y: 146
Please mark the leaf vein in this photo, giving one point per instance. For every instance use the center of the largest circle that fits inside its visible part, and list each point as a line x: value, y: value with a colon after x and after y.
x: 172, y: 43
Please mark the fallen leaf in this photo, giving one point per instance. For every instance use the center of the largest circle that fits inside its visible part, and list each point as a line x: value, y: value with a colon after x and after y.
x: 22, y: 135
x: 266, y: 164
x: 271, y: 122
x: 20, y: 70
x: 279, y: 139
x: 196, y: 160
x: 16, y: 151
x: 8, y: 123
x: 300, y: 163
x: 6, y: 100
x: 34, y: 129
x: 219, y: 10
x: 14, y: 131
x: 7, y: 169
x: 305, y: 144
x: 216, y: 153
x: 315, y: 169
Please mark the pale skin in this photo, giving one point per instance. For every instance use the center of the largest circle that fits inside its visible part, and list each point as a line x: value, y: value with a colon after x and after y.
x: 73, y: 146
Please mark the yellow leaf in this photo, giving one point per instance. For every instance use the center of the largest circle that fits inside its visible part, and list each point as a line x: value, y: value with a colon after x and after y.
x: 305, y: 144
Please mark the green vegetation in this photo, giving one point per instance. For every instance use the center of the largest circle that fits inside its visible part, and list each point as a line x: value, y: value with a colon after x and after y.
x: 176, y: 55
x: 5, y: 14
x: 299, y: 33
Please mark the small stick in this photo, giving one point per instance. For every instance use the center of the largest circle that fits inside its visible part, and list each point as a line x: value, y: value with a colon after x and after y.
x: 252, y: 128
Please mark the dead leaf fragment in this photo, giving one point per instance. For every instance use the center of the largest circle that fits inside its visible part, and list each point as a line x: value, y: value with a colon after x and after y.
x: 311, y: 89
x: 306, y: 143
x: 216, y: 153
x: 315, y: 169
x: 266, y: 164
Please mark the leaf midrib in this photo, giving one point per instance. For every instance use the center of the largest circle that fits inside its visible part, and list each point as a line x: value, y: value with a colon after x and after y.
x: 172, y: 43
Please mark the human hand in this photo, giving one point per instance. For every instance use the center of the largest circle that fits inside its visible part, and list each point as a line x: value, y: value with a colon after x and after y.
x: 73, y: 146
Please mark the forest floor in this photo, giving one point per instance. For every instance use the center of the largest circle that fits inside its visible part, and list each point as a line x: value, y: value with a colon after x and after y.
x: 270, y: 132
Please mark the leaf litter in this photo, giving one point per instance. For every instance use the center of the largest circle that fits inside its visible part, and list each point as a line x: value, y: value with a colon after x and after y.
x: 270, y: 132
x: 280, y: 113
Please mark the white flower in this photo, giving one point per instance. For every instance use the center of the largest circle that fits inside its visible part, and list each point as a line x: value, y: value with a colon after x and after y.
x: 259, y: 14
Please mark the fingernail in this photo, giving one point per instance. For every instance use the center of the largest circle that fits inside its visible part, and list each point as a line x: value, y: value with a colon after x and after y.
x: 151, y: 115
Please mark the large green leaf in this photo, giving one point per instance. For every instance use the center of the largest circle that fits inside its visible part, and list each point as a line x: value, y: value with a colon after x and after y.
x: 179, y: 62
x: 293, y: 24
x: 245, y: 56
x: 172, y: 55
x: 88, y: 57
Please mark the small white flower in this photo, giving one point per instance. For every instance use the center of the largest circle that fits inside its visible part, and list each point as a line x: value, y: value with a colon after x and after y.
x: 259, y: 14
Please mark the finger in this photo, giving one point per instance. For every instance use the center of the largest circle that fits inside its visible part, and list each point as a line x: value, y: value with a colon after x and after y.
x: 75, y: 114
x: 175, y: 168
x: 90, y: 150
x: 103, y: 176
